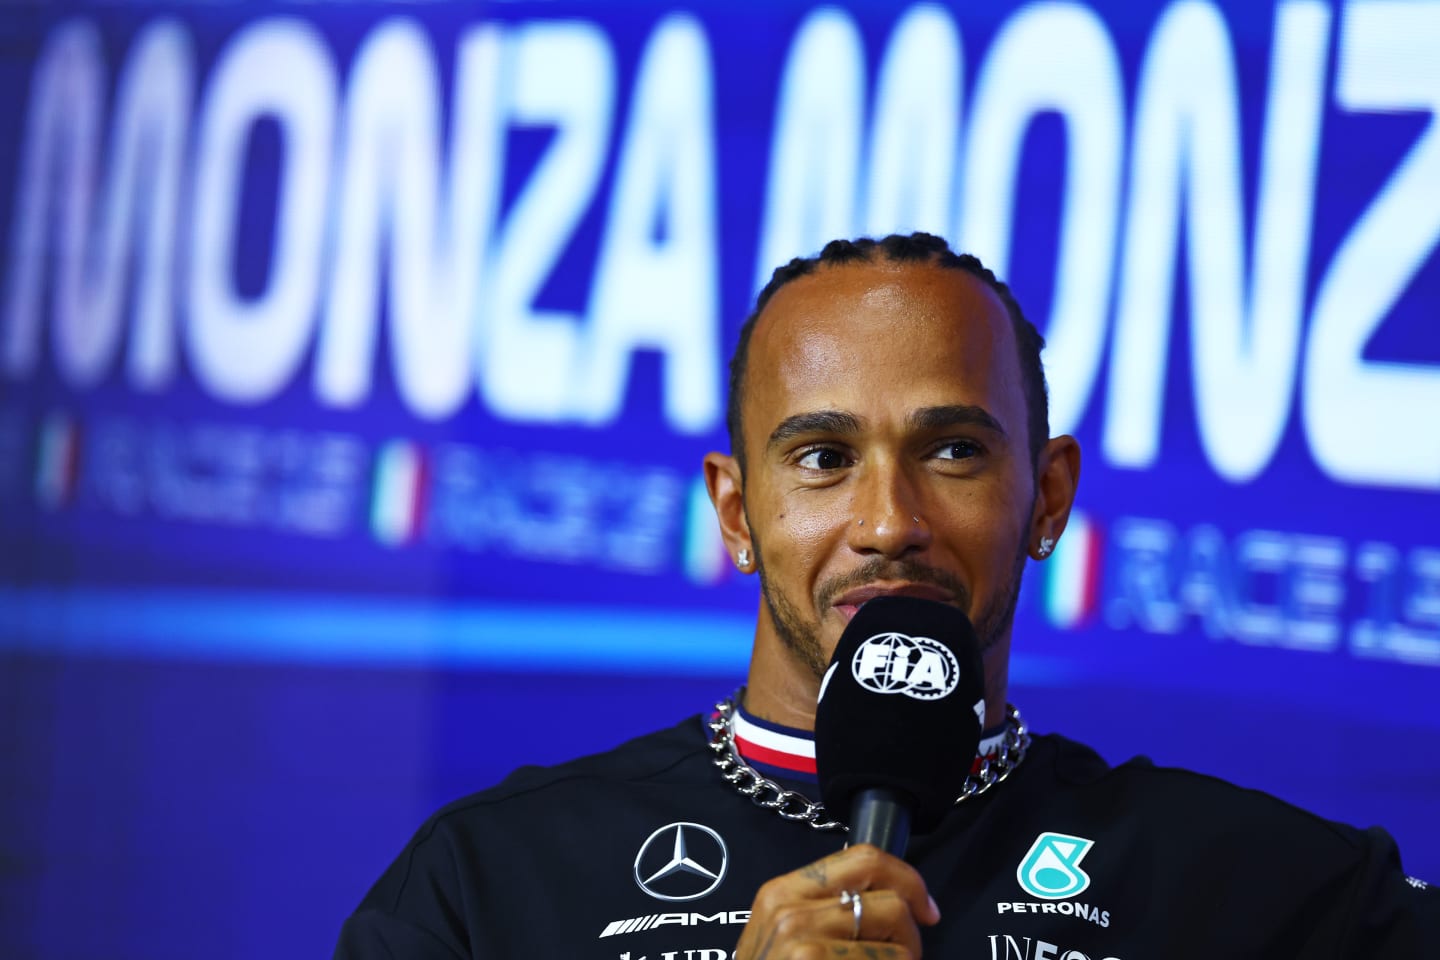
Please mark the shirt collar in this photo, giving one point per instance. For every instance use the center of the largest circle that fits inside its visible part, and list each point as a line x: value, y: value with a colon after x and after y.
x: 779, y: 751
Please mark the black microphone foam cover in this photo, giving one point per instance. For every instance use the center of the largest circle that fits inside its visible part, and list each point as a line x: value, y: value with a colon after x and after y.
x: 901, y: 706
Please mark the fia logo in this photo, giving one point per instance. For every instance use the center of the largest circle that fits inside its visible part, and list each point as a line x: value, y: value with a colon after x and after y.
x: 918, y: 667
x: 1051, y: 870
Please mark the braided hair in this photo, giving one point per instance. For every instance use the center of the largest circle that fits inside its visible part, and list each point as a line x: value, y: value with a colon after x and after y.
x: 897, y: 248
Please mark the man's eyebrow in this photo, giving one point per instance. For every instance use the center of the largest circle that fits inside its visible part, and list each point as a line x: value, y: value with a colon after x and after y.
x: 954, y: 415
x: 819, y: 421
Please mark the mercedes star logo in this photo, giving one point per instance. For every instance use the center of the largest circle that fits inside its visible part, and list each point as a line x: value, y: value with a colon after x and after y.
x: 681, y: 861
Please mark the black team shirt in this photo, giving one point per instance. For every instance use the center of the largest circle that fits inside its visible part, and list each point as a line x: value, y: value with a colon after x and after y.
x: 645, y: 853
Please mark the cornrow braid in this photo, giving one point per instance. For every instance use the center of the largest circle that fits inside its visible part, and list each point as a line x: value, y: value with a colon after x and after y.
x: 898, y: 248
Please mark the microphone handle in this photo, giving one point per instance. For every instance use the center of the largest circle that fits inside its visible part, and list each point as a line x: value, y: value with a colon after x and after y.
x: 881, y: 816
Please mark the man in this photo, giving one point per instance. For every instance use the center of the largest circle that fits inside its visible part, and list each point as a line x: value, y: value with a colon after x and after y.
x: 889, y: 436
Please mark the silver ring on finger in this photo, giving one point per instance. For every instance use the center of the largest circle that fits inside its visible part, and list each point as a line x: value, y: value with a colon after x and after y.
x: 851, y: 899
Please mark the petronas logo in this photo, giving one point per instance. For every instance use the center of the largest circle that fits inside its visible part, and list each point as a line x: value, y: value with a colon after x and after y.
x: 1051, y: 870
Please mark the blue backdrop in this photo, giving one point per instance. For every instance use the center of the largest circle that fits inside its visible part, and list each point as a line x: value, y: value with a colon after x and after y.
x: 357, y: 360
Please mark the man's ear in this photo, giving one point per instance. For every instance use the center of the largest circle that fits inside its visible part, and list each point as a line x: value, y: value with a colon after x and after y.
x: 726, y: 485
x: 1057, y: 474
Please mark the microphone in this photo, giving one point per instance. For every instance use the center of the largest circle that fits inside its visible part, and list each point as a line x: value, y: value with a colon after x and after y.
x: 899, y: 718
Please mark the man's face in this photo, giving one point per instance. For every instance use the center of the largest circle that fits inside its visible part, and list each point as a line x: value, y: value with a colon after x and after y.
x: 886, y: 452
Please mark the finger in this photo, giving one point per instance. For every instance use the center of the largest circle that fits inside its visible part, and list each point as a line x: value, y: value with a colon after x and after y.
x: 802, y: 910
x: 775, y: 949
x: 884, y: 917
x: 862, y: 867
x: 881, y: 917
x: 864, y: 950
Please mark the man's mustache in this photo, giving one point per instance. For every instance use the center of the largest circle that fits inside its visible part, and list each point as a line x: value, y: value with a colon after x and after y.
x: 882, y: 570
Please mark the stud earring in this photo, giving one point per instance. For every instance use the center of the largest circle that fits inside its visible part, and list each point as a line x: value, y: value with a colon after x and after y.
x: 1046, y: 545
x: 742, y: 559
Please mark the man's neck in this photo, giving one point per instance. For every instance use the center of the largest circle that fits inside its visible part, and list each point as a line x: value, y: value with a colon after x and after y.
x: 779, y: 689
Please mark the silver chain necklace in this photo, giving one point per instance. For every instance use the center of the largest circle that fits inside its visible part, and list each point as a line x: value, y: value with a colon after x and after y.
x: 792, y: 805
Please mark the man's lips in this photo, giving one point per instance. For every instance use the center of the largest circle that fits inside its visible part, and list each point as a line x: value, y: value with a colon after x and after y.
x: 847, y: 603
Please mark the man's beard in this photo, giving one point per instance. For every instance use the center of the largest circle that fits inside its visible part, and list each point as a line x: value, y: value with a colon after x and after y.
x: 802, y: 637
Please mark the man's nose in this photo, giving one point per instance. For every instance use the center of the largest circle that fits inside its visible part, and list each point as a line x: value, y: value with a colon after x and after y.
x: 888, y: 518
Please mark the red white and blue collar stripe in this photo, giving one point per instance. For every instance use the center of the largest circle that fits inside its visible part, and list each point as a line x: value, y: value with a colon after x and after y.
x: 779, y: 751
x: 774, y: 750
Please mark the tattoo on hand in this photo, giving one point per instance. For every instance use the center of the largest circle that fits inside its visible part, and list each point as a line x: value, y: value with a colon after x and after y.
x: 815, y: 871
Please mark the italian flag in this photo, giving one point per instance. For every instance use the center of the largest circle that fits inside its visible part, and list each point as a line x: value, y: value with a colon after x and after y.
x: 397, y: 506
x: 57, y: 461
x: 706, y: 561
x: 1072, y: 574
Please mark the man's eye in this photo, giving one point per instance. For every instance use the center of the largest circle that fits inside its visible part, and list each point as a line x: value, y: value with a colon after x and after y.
x: 822, y: 458
x: 959, y: 450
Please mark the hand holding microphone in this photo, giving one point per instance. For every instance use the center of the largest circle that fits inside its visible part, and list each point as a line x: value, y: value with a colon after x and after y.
x: 812, y: 908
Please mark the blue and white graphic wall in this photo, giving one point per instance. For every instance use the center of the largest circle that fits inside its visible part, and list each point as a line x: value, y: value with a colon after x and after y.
x: 357, y: 360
